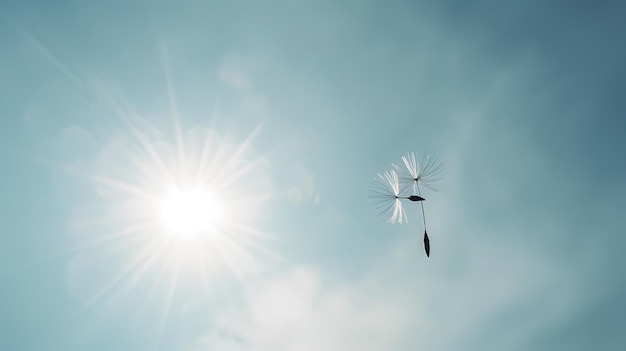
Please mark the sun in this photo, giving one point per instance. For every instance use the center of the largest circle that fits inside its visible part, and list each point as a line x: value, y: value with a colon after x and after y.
x: 182, y: 210
x: 191, y: 212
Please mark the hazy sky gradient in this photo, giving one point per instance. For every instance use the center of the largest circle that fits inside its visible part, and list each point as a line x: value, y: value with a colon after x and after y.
x: 521, y: 100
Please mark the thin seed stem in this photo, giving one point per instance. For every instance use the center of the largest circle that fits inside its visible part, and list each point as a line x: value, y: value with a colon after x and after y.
x: 422, y: 205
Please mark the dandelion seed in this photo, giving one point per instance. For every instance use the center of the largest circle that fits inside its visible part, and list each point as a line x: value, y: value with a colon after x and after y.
x: 405, y: 183
x: 415, y: 174
x: 385, y: 191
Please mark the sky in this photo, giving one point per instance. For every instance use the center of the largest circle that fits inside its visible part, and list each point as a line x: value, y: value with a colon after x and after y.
x: 290, y: 109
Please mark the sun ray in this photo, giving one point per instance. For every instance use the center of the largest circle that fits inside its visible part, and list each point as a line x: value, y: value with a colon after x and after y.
x: 243, y: 229
x: 52, y: 58
x: 219, y: 160
x: 148, y: 262
x: 123, y: 186
x: 168, y: 304
x: 237, y: 156
x: 143, y: 140
x: 251, y: 198
x: 127, y: 269
x: 117, y: 184
x: 156, y: 283
x: 180, y: 145
x: 247, y: 241
x: 227, y: 259
x: 206, y: 163
x: 244, y: 256
x: 144, y: 167
x: 243, y: 172
x: 134, y: 229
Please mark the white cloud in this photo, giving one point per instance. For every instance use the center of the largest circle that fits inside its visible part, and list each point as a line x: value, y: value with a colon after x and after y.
x: 485, y: 299
x: 295, y: 312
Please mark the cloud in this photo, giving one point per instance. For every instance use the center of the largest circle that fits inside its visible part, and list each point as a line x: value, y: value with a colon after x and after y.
x: 491, y: 297
x: 296, y: 312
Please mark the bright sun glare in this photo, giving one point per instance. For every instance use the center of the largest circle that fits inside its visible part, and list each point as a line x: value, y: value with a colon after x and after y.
x: 221, y: 186
x: 191, y: 212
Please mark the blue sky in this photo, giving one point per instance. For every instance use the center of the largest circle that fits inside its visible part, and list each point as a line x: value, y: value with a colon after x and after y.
x: 521, y: 101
